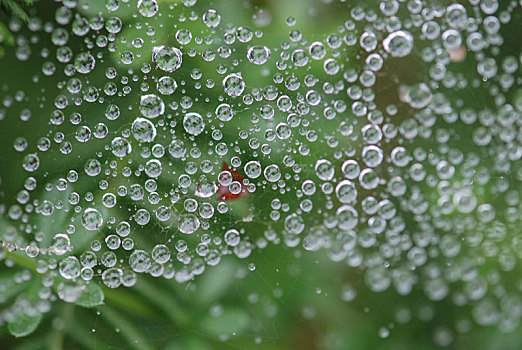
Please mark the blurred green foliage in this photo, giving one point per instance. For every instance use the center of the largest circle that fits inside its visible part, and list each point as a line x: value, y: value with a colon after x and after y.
x: 292, y: 300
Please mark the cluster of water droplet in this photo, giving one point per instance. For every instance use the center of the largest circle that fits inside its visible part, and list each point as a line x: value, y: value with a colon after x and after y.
x: 369, y: 143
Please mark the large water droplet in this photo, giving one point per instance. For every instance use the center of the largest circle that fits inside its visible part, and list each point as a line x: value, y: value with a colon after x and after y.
x: 92, y: 219
x: 166, y: 58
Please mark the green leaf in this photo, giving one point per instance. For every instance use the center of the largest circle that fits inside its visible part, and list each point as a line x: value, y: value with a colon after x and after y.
x: 233, y: 320
x: 10, y: 287
x: 214, y: 285
x: 91, y: 296
x: 189, y: 342
x: 24, y: 325
x: 6, y: 37
x: 15, y: 9
x: 27, y: 2
x: 129, y: 331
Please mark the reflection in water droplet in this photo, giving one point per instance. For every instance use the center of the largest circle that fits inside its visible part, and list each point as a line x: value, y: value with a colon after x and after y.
x: 151, y: 106
x: 193, y: 123
x: 168, y: 59
x: 398, y: 44
x: 92, y: 219
x: 143, y: 130
x: 234, y: 84
x: 258, y: 54
x: 147, y: 8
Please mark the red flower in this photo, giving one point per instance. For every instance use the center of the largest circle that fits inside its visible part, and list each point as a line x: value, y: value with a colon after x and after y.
x: 224, y: 193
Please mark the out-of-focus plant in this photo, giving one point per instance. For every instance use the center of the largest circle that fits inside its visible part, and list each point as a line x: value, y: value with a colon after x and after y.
x: 294, y: 174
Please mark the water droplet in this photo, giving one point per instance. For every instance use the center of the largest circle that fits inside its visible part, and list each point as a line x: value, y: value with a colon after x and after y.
x: 92, y: 219
x: 234, y: 84
x: 193, y: 123
x: 258, y: 54
x: 147, y: 8
x: 398, y: 44
x: 143, y: 130
x: 168, y: 59
x: 224, y: 112
x: 151, y: 106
